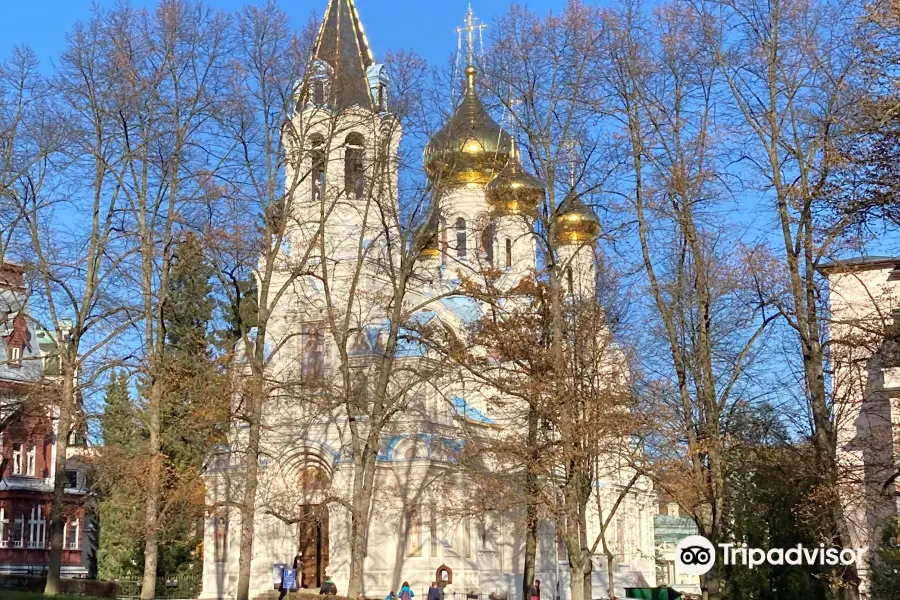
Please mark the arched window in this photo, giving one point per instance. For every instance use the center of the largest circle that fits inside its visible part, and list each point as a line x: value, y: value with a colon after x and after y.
x: 508, y: 253
x: 443, y: 242
x: 354, y: 178
x: 570, y: 278
x: 319, y: 92
x: 487, y: 243
x: 321, y: 83
x: 460, y: 237
x: 319, y: 163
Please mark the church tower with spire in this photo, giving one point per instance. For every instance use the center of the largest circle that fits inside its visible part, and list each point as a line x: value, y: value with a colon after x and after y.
x: 344, y: 137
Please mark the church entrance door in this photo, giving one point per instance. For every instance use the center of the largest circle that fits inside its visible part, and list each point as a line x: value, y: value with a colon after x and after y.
x: 313, y: 542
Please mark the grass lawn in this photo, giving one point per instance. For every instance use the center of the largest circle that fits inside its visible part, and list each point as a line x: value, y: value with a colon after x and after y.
x: 13, y: 595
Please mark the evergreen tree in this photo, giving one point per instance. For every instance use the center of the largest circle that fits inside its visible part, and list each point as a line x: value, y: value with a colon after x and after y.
x: 118, y: 541
x: 886, y: 564
x: 189, y: 415
x: 195, y: 403
x: 119, y: 424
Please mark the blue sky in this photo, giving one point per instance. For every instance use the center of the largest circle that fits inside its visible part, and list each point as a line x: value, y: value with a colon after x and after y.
x: 426, y: 26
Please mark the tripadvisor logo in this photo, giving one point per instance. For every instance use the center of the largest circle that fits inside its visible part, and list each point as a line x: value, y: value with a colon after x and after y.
x: 695, y: 555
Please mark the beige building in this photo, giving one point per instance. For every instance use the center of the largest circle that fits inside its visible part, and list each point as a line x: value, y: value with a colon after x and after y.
x: 864, y: 299
x: 421, y: 527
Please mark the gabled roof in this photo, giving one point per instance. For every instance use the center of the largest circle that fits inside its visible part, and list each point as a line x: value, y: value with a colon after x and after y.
x: 860, y: 263
x: 343, y: 45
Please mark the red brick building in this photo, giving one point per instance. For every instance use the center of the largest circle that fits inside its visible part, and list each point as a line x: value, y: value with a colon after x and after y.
x: 28, y: 433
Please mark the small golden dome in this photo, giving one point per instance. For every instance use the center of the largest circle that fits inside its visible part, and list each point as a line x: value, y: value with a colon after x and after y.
x: 432, y: 229
x: 575, y: 223
x: 514, y: 191
x: 471, y: 148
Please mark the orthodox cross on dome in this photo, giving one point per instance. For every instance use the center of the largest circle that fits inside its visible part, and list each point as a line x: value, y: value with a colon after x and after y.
x: 470, y: 30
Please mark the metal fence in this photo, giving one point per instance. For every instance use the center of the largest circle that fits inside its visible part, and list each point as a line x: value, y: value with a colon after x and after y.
x: 183, y: 587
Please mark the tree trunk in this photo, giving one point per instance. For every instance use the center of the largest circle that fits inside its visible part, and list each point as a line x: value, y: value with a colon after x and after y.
x: 576, y: 581
x: 251, y: 481
x: 151, y: 508
x: 610, y: 573
x: 531, y: 517
x: 57, y: 514
x: 363, y: 489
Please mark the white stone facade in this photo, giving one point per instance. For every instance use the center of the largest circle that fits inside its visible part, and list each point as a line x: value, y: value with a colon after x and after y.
x: 419, y: 521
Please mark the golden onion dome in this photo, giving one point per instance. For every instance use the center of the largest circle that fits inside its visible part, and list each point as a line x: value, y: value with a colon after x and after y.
x: 471, y: 148
x: 575, y: 223
x: 514, y: 191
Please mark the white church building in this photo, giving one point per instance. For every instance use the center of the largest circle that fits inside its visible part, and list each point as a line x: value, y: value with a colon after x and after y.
x: 420, y: 530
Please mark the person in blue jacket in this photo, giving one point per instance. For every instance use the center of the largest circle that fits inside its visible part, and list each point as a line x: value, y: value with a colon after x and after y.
x: 406, y: 592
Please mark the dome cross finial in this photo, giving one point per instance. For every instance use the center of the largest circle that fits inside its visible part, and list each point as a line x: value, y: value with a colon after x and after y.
x: 470, y: 29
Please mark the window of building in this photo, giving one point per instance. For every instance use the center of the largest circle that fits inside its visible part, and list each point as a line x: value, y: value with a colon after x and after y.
x: 487, y: 243
x: 73, y: 534
x: 354, y: 175
x: 17, y: 459
x: 4, y: 528
x: 220, y: 532
x: 18, y: 532
x: 15, y: 356
x: 313, y: 351
x: 467, y: 537
x: 36, y: 528
x: 433, y: 526
x: 319, y: 92
x: 360, y: 392
x: 571, y: 280
x: 508, y: 253
x: 413, y: 532
x: 443, y: 243
x: 71, y: 479
x: 460, y: 237
x: 31, y: 464
x: 319, y: 166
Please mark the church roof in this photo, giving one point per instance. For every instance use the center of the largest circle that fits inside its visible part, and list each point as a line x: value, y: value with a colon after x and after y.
x: 343, y: 45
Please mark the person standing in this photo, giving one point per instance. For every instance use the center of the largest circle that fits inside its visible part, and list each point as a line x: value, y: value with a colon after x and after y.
x: 298, y: 567
x: 535, y: 592
x: 434, y: 592
x: 406, y: 592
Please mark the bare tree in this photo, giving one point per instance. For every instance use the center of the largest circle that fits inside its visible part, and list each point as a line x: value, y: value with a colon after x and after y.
x: 169, y: 63
x: 546, y: 74
x: 789, y: 67
x: 75, y: 248
x: 711, y: 317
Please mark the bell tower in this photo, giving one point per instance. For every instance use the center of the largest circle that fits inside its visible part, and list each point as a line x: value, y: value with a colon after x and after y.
x: 342, y: 141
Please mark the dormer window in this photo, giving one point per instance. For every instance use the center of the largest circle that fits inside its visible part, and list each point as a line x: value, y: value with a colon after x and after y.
x: 320, y: 85
x: 378, y: 85
x: 319, y: 92
x: 15, y: 356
